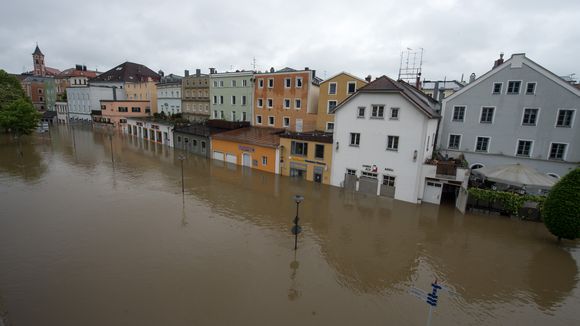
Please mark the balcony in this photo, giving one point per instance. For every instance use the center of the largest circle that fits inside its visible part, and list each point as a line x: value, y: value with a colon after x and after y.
x: 445, y: 169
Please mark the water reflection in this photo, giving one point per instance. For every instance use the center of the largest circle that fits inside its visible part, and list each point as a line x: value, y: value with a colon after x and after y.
x: 29, y: 167
x: 222, y: 253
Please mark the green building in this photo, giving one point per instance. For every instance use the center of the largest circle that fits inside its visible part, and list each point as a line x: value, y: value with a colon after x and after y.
x: 231, y: 95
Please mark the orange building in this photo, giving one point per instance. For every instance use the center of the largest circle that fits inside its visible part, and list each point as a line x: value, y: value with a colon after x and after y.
x: 332, y: 92
x: 117, y: 112
x: 258, y: 148
x: 287, y: 99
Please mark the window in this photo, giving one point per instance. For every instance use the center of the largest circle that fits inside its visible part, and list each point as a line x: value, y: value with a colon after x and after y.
x: 270, y: 103
x: 286, y: 103
x: 454, y: 141
x: 264, y: 160
x: 497, y: 88
x: 487, y: 115
x: 244, y: 83
x: 179, y: 139
x: 244, y: 116
x: 287, y: 82
x: 233, y: 115
x: 244, y: 100
x: 271, y: 120
x: 221, y: 99
x: 354, y: 139
x: 350, y: 172
x: 298, y: 82
x: 482, y: 144
x: 514, y: 87
x: 361, y: 112
x: 557, y: 151
x: 222, y: 115
x: 234, y: 83
x: 195, y: 142
x: 530, y: 88
x: 394, y: 114
x: 215, y: 83
x: 565, y: 118
x: 524, y: 148
x: 135, y: 109
x: 319, y: 151
x: 122, y: 120
x: 215, y: 114
x: 331, y: 106
x: 299, y: 148
x: 259, y: 119
x: 270, y: 82
x: 286, y: 122
x: 221, y: 83
x: 389, y: 180
x: 123, y: 109
x: 330, y: 126
x: 530, y: 117
x: 332, y: 88
x: 297, y: 103
x: 260, y: 102
x: 458, y: 113
x: 260, y: 83
x: 233, y: 100
x: 378, y: 111
x: 351, y: 87
x: 393, y: 143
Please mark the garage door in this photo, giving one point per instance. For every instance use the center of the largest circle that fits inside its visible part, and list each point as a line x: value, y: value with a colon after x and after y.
x: 231, y: 158
x: 432, y: 193
x: 218, y: 156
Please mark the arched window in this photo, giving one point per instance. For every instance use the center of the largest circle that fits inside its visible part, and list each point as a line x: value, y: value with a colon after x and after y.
x: 476, y: 166
x: 553, y: 175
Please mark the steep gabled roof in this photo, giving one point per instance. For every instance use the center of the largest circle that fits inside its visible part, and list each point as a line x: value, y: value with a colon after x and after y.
x: 37, y: 51
x: 387, y: 85
x: 344, y: 73
x: 127, y: 72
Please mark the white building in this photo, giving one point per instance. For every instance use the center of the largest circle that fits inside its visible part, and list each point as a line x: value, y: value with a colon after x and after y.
x: 62, y: 114
x: 146, y: 128
x: 169, y: 94
x: 382, y: 136
x: 83, y: 100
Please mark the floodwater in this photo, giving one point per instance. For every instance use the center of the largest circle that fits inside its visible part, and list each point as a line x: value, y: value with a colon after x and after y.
x: 84, y: 241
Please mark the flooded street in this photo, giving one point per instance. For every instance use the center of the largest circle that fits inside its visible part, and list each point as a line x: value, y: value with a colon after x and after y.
x: 84, y: 241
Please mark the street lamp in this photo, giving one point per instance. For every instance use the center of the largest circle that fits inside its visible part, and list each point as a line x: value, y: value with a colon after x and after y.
x: 181, y: 158
x: 111, y: 131
x: 296, y: 229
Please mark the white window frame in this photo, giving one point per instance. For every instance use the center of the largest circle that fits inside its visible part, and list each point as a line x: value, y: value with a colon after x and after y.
x: 335, y: 88
x: 378, y: 106
x: 264, y: 160
x: 493, y: 87
x: 563, y: 155
x: 258, y: 121
x: 328, y: 129
x: 244, y: 100
x: 449, y: 140
x: 301, y: 82
x: 260, y: 82
x: 350, y: 139
x: 269, y: 103
x: 508, y: 86
x: 350, y: 82
x: 328, y: 105
x: 358, y: 112
x: 391, y: 113
x: 464, y: 113
x: 398, y: 143
x: 221, y: 83
x: 571, y: 122
x: 233, y: 100
x: 271, y: 81
x: 287, y: 100
x: 296, y: 106
x: 288, y: 82
x: 492, y: 117
x: 488, y: 144
x: 518, y: 145
x: 260, y: 102
x: 535, y: 88
x: 524, y: 113
x: 284, y: 124
x: 233, y: 83
x: 273, y: 119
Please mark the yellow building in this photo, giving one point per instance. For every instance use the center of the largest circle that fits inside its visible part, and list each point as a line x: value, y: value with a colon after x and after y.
x: 332, y: 92
x: 143, y: 91
x: 306, y: 155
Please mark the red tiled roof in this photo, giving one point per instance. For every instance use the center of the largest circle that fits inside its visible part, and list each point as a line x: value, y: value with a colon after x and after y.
x: 267, y: 137
x: 73, y: 72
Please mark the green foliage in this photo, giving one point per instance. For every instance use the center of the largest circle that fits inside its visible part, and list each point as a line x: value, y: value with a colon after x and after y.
x: 19, y: 117
x: 562, y: 207
x: 10, y: 89
x: 512, y: 202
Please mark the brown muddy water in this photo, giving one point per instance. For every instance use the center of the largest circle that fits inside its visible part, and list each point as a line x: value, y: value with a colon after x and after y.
x: 86, y: 242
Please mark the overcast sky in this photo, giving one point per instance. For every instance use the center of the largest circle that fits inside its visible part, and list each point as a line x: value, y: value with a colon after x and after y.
x: 358, y: 36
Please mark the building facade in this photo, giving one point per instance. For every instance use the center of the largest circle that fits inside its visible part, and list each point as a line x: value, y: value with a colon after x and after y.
x: 195, y: 96
x: 117, y: 112
x: 143, y: 91
x: 83, y: 101
x: 287, y: 99
x: 195, y: 138
x: 382, y: 136
x: 519, y: 112
x: 62, y: 114
x: 440, y: 89
x: 169, y: 95
x: 333, y: 91
x: 232, y: 95
x: 306, y: 155
x: 158, y: 131
x: 252, y: 147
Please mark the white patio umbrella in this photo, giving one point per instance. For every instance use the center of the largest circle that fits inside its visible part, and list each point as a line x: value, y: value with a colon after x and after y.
x: 516, y: 174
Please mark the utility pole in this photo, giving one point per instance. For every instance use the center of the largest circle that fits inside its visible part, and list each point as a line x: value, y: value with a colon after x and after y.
x: 296, y: 229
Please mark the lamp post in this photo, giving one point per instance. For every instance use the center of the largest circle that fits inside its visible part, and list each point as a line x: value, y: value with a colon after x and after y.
x: 296, y: 229
x: 181, y: 158
x: 111, y: 131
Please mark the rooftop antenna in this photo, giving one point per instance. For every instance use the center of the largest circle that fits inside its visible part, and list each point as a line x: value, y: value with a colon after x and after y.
x: 410, y: 65
x: 254, y: 63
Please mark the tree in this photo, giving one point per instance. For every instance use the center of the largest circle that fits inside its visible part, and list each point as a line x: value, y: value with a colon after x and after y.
x: 562, y: 207
x: 20, y: 118
x: 10, y: 89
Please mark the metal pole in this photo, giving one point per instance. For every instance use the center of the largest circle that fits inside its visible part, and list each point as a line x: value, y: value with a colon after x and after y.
x: 182, y: 184
x: 429, y: 316
x: 112, y: 156
x: 296, y: 219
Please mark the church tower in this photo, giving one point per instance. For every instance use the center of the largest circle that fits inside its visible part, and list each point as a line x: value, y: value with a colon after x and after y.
x: 38, y: 60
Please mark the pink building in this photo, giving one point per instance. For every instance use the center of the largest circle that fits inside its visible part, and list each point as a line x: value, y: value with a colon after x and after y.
x: 117, y: 112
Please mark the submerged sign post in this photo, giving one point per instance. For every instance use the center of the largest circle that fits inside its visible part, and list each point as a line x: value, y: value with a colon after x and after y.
x: 430, y: 298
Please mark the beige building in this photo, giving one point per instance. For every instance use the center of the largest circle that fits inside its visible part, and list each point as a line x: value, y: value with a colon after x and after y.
x: 143, y: 91
x: 195, y: 96
x: 332, y: 92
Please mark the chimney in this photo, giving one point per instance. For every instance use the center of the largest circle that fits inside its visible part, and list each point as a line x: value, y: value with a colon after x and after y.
x: 369, y: 78
x: 84, y: 68
x: 161, y: 73
x: 78, y: 67
x: 197, y: 72
x: 498, y: 61
x: 212, y: 71
x: 306, y: 68
x: 313, y: 73
x: 472, y: 78
x: 271, y: 69
x: 186, y: 73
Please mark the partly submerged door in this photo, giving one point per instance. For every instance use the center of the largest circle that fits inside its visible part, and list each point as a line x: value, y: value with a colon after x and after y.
x: 247, y: 160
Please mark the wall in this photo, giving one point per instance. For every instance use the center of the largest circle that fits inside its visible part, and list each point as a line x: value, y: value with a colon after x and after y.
x: 143, y: 91
x: 341, y: 81
x: 169, y: 98
x: 227, y: 91
x: 195, y: 97
x: 110, y: 111
x: 287, y: 157
x: 193, y: 144
x: 139, y: 125
x: 272, y: 154
x: 413, y: 129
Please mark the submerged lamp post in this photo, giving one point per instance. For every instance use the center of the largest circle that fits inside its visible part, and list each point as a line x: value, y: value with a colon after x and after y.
x: 296, y: 229
x: 181, y: 158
